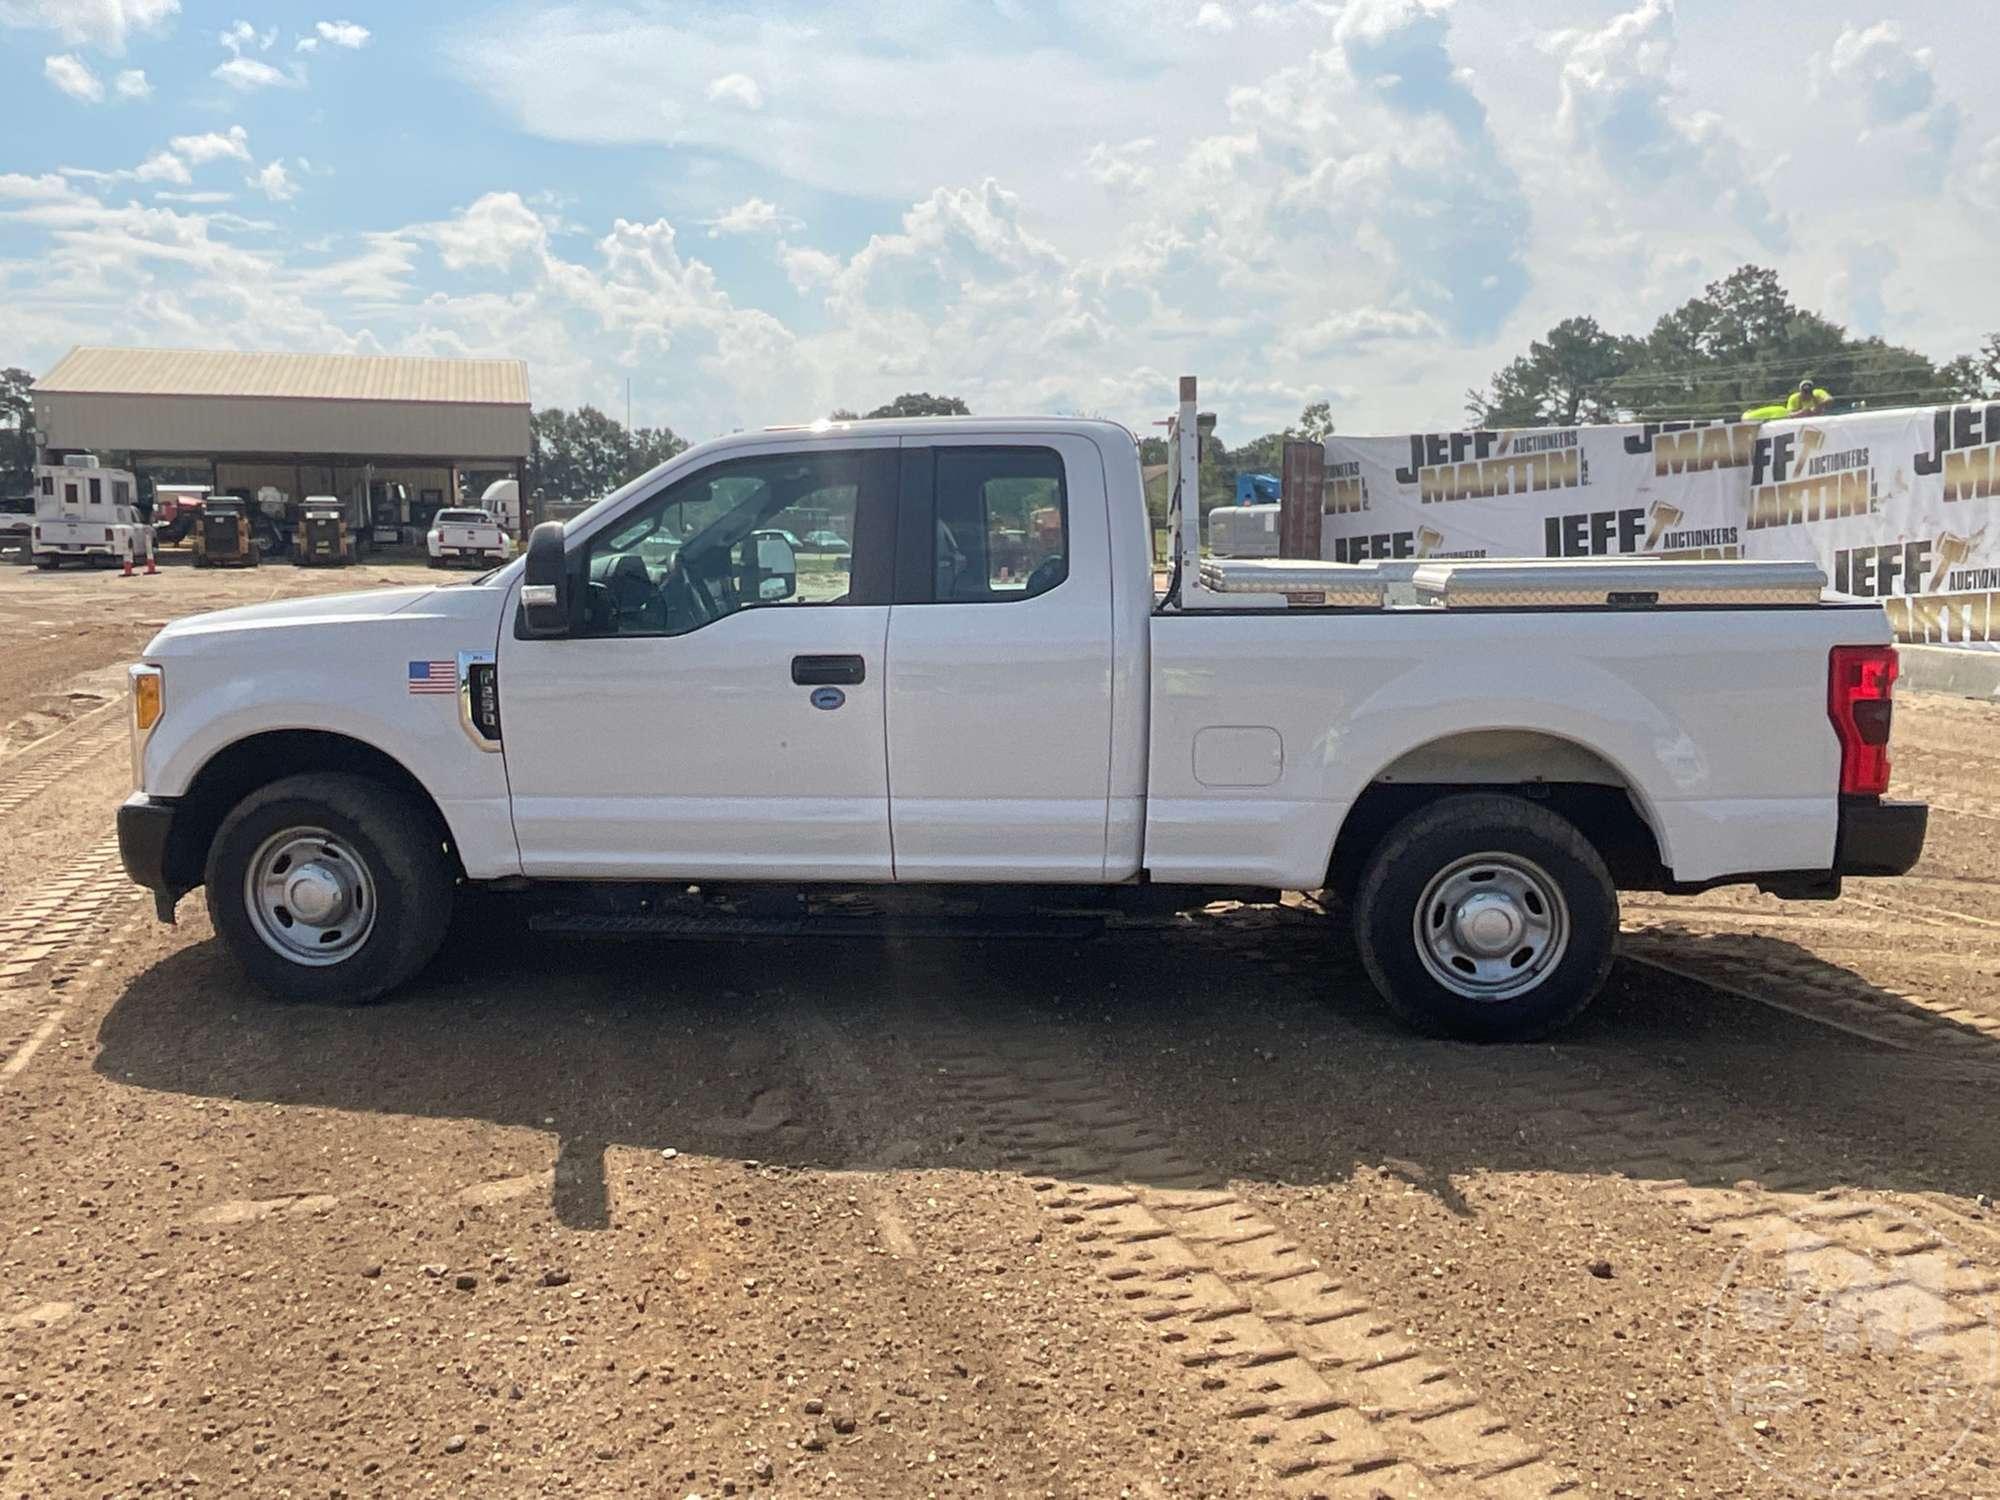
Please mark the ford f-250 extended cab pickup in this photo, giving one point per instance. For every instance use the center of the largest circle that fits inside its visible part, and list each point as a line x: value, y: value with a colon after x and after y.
x: 987, y: 690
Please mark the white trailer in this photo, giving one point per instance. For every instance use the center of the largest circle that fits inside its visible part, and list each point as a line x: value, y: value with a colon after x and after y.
x: 85, y: 512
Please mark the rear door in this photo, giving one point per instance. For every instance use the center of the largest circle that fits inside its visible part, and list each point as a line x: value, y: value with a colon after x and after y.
x: 1000, y: 661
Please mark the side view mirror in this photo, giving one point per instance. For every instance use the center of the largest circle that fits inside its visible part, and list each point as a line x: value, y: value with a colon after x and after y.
x: 768, y: 567
x: 545, y: 584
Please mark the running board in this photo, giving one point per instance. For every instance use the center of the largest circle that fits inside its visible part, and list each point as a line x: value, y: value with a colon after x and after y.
x: 885, y: 925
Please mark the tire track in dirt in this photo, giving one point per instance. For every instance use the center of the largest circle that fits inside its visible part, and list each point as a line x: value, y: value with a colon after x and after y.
x: 57, y: 757
x: 1949, y: 800
x: 1328, y: 1390
x: 47, y: 942
x: 1817, y: 991
x: 1893, y: 1275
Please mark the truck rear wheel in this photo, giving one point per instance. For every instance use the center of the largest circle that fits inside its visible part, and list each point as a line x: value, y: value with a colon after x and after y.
x: 1486, y: 918
x: 330, y: 887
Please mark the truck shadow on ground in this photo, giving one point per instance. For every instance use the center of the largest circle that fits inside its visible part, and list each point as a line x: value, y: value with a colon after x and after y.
x: 1250, y: 1041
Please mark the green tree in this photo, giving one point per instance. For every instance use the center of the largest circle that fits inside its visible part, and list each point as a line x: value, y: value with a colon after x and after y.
x: 1742, y: 343
x: 1316, y: 422
x: 17, y: 431
x: 923, y: 404
x: 1560, y: 381
x: 583, y: 454
x: 1974, y: 377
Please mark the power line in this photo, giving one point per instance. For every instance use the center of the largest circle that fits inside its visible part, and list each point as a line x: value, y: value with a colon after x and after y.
x: 1864, y: 362
x: 1646, y: 410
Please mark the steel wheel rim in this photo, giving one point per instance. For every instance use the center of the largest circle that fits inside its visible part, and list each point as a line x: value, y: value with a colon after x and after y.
x: 1491, y: 927
x: 310, y: 897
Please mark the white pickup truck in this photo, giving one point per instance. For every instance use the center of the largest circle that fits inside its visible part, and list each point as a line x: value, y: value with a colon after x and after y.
x: 456, y: 535
x: 987, y: 690
x: 87, y: 513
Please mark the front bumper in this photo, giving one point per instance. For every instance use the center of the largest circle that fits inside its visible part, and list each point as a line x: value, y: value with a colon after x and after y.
x: 145, y: 828
x: 1879, y: 838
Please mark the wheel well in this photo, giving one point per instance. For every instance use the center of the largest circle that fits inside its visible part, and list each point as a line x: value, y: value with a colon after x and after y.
x: 236, y: 771
x: 1604, y: 814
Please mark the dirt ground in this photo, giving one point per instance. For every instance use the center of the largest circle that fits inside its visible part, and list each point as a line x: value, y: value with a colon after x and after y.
x: 1174, y: 1211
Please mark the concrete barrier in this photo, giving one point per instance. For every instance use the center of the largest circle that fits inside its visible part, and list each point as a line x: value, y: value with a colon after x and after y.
x: 1950, y: 669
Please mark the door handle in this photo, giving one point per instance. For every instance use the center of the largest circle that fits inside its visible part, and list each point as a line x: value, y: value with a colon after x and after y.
x: 828, y: 671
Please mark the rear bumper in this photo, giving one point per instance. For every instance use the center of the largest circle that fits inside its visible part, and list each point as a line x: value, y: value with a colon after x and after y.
x: 145, y: 827
x: 1879, y: 838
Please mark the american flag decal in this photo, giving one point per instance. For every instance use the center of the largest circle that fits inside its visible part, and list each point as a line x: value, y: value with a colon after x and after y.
x: 433, y: 677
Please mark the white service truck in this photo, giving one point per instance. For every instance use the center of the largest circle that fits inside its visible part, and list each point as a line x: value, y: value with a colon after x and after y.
x: 987, y: 691
x: 87, y: 513
x: 458, y: 535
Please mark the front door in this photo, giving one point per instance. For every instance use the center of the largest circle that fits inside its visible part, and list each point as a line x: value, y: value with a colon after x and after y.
x: 718, y: 711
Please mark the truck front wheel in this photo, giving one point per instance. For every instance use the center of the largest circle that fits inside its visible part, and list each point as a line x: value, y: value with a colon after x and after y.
x: 1486, y: 918
x: 330, y: 887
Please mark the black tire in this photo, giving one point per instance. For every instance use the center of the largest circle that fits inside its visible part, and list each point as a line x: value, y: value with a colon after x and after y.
x: 1450, y: 835
x: 389, y: 832
x: 48, y: 562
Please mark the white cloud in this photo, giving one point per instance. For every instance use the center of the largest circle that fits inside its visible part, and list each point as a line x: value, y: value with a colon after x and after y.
x: 1214, y: 17
x: 736, y: 88
x: 1985, y: 175
x: 233, y: 144
x: 343, y: 33
x: 250, y: 73
x: 162, y: 166
x: 1361, y: 325
x: 1120, y: 168
x: 131, y: 84
x: 1857, y: 292
x: 18, y: 185
x: 807, y: 268
x: 1891, y: 93
x: 243, y: 37
x: 68, y: 73
x: 104, y: 24
x: 166, y: 195
x: 274, y: 183
x: 490, y: 235
x: 752, y: 216
x: 1619, y: 102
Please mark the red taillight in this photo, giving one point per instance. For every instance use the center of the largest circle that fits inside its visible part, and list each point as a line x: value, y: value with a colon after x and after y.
x: 1860, y: 686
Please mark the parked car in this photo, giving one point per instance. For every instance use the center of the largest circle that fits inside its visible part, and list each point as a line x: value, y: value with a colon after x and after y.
x: 87, y: 513
x: 460, y: 534
x: 826, y: 541
x: 17, y: 519
x: 1478, y: 774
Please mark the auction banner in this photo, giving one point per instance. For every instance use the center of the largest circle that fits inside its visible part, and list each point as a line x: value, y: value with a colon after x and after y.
x: 1895, y: 506
x: 1672, y: 489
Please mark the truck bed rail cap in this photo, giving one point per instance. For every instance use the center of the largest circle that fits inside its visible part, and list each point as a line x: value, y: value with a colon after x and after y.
x: 1539, y: 584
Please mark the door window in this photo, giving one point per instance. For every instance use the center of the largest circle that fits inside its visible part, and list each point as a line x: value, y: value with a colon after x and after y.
x: 1002, y: 527
x: 753, y: 533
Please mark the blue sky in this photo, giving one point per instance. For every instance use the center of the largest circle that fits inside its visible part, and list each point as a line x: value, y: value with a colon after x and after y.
x: 755, y: 216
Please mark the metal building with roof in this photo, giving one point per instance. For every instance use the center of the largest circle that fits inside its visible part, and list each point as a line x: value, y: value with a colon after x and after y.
x: 405, y: 430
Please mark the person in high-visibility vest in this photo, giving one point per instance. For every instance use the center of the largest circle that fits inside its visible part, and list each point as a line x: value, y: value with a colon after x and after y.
x: 1807, y: 399
x: 1803, y: 402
